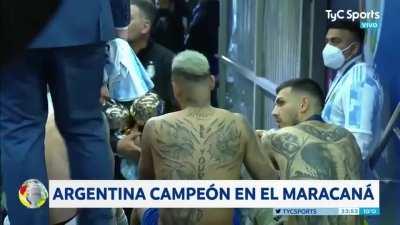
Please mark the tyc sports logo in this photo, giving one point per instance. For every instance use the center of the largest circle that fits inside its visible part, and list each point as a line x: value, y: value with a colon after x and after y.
x: 368, y: 19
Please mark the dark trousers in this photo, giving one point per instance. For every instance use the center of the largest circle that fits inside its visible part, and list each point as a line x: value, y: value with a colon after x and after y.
x: 74, y: 76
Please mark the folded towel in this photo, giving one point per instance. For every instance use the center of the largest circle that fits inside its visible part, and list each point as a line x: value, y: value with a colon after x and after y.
x: 126, y: 77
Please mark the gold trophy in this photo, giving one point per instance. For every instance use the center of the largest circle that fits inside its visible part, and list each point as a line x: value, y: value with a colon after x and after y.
x: 145, y: 107
x: 122, y: 120
x: 118, y: 117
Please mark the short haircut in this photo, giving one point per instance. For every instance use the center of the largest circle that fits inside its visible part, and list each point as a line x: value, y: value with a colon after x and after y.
x: 147, y: 8
x: 352, y: 26
x: 191, y: 66
x: 304, y: 85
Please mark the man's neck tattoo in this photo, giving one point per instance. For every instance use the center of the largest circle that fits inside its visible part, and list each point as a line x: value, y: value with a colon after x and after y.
x: 200, y: 113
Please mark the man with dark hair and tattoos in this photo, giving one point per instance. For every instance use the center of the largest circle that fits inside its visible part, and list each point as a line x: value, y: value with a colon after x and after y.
x: 306, y: 148
x: 199, y: 142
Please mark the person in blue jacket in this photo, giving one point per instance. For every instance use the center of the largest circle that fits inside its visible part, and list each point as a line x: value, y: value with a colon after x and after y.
x: 67, y: 57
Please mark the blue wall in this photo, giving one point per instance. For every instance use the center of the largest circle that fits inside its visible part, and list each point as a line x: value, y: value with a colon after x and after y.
x: 387, y: 60
x: 388, y: 54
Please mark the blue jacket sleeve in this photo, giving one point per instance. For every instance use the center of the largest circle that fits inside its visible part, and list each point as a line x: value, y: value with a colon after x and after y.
x: 121, y: 12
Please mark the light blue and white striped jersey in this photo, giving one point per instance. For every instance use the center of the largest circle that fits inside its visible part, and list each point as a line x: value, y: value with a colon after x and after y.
x: 354, y: 101
x: 126, y: 77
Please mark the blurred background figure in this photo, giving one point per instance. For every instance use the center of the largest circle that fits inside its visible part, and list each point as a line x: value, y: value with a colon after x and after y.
x: 15, y: 32
x: 170, y: 24
x: 203, y: 36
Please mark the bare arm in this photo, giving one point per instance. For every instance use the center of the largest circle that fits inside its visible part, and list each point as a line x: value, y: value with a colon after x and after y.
x: 146, y: 168
x: 128, y: 146
x: 258, y: 164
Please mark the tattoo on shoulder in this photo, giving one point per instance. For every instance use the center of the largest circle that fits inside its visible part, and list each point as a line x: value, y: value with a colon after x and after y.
x: 286, y: 143
x: 226, y: 140
x: 325, y: 135
x: 200, y: 114
x: 176, y: 130
x: 304, y: 158
x: 187, y: 148
x: 246, y: 124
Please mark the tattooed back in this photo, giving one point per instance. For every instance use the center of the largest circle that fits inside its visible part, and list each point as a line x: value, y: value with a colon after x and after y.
x: 315, y: 150
x: 203, y: 144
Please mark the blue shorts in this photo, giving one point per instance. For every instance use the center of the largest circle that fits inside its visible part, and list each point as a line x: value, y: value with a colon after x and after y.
x: 150, y: 217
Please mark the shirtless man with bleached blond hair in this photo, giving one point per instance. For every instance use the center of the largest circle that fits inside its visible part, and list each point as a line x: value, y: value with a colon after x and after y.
x: 199, y: 142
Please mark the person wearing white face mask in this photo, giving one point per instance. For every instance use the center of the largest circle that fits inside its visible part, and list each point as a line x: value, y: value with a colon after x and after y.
x: 355, y: 97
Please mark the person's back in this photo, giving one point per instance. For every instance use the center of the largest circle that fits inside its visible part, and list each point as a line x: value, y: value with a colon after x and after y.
x: 316, y: 150
x: 202, y: 144
x: 205, y: 144
x: 199, y: 142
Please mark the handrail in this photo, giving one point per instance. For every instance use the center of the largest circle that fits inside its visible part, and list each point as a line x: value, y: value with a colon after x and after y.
x: 396, y: 130
x: 262, y: 82
x: 376, y: 153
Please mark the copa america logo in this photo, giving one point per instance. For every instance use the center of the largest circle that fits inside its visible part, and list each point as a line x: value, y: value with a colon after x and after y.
x: 32, y: 194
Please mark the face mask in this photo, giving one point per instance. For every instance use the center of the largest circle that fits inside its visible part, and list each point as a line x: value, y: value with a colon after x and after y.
x: 333, y: 56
